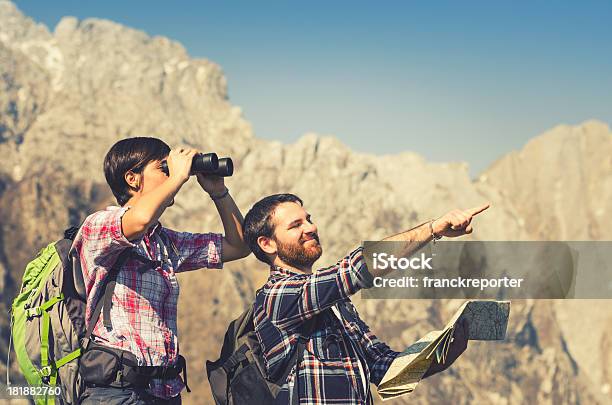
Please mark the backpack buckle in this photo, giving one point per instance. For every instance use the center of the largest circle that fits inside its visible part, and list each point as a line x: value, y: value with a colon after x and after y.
x: 119, y: 378
x: 32, y: 312
x: 46, y: 371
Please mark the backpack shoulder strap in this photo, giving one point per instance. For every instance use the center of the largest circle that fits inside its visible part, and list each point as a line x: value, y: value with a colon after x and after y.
x: 108, y: 297
x: 71, y: 232
x: 108, y: 288
x: 308, y: 329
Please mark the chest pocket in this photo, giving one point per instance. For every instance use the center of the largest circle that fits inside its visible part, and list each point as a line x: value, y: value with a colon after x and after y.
x: 327, y: 342
x: 155, y: 286
x: 153, y: 278
x: 144, y: 279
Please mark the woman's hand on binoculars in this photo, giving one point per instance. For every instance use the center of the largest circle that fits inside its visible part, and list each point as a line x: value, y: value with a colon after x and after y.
x: 211, y: 184
x: 179, y: 163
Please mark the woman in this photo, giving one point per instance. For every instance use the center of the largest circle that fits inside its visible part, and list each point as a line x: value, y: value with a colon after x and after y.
x: 142, y: 329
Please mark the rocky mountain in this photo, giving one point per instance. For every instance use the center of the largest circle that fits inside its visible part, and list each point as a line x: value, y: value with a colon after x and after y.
x: 68, y: 95
x: 561, y: 184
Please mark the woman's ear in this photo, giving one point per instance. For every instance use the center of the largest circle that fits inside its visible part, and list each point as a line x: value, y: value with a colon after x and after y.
x: 268, y: 245
x: 133, y: 180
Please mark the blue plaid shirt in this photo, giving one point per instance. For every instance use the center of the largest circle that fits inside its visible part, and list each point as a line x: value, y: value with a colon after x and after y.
x: 329, y: 372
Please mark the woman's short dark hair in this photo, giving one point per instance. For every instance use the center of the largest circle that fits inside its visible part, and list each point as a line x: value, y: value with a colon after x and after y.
x: 258, y: 221
x: 131, y: 154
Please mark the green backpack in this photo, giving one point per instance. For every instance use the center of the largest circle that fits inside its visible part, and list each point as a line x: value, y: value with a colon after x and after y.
x: 48, y: 323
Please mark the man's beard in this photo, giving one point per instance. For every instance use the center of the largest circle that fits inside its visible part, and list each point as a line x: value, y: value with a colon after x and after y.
x: 297, y: 255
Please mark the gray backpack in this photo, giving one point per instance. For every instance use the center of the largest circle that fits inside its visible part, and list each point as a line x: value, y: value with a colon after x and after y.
x: 239, y: 375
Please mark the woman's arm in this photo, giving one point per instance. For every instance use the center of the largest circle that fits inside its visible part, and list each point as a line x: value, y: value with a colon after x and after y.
x: 234, y: 246
x: 148, y: 207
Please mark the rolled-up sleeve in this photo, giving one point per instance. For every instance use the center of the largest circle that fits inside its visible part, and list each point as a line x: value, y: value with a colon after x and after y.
x: 99, y: 243
x: 292, y: 300
x: 197, y: 250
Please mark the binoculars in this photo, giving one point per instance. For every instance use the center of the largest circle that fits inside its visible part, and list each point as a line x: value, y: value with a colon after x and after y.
x: 207, y: 163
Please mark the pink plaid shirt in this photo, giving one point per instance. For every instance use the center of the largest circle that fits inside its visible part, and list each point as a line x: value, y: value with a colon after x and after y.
x: 144, y: 303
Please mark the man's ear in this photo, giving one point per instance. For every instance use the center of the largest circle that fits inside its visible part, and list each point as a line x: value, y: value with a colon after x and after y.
x: 268, y: 245
x: 133, y: 180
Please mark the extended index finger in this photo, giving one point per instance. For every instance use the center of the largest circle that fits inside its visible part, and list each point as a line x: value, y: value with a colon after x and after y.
x: 478, y: 210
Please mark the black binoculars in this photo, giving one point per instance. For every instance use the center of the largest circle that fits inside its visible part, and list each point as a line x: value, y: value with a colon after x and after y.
x: 207, y: 163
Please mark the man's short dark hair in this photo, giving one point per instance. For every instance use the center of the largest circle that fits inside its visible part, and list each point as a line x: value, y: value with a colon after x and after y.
x: 131, y: 154
x: 258, y: 221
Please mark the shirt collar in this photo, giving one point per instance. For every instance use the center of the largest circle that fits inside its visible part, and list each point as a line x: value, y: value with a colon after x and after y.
x: 282, y: 271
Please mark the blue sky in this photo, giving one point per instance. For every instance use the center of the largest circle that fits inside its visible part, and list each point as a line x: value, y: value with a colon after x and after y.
x: 452, y: 81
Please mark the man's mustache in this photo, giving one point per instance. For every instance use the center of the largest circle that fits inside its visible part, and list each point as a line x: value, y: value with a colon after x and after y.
x: 312, y: 236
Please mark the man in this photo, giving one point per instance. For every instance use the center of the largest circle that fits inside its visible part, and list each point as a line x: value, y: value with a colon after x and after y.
x: 342, y: 356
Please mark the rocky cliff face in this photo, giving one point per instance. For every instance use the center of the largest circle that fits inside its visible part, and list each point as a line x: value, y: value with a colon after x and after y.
x: 69, y: 95
x: 560, y: 184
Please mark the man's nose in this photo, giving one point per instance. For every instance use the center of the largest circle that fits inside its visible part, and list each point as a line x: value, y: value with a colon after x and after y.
x: 309, y: 227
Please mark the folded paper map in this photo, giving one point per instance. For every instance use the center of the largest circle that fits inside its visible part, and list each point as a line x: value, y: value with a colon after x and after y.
x: 486, y: 320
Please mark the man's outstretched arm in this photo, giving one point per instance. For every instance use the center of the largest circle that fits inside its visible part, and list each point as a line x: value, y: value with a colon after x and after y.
x: 293, y: 300
x: 452, y: 224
